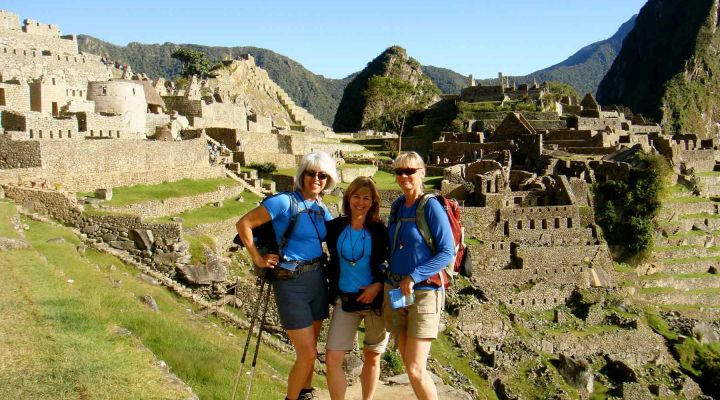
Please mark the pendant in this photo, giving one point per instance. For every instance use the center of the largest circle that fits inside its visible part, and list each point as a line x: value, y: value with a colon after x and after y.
x: 353, y: 263
x: 401, y: 245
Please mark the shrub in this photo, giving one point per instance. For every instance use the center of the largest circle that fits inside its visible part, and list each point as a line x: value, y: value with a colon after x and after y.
x: 264, y: 168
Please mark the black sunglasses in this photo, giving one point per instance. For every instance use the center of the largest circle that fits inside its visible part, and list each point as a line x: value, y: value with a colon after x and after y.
x: 406, y: 171
x: 312, y: 174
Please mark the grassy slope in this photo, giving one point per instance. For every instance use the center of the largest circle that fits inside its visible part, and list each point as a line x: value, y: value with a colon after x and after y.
x: 56, y: 337
x: 185, y: 187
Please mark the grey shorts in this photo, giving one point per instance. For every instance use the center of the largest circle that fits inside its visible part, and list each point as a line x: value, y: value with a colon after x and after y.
x: 302, y: 300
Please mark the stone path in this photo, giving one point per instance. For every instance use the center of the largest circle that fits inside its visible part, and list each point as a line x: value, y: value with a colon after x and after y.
x: 398, y: 387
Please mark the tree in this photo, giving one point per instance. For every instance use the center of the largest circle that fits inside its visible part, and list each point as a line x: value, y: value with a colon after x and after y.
x: 194, y: 62
x: 390, y: 101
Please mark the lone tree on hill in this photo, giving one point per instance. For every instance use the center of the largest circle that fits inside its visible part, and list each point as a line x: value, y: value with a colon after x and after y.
x: 194, y: 62
x: 390, y: 101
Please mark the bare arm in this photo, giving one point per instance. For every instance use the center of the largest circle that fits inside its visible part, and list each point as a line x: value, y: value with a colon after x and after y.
x: 254, y: 218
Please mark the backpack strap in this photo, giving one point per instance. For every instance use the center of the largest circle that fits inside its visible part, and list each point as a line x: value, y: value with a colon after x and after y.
x: 421, y: 220
x: 291, y: 223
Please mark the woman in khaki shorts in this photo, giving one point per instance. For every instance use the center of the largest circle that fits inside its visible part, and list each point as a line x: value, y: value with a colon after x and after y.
x: 358, y: 246
x: 416, y: 270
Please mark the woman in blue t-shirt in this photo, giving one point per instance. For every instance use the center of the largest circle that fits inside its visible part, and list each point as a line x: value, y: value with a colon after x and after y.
x: 299, y: 286
x: 414, y: 268
x: 358, y: 247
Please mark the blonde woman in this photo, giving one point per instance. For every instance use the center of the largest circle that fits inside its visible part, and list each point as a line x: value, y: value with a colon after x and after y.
x: 299, y: 286
x: 415, y: 269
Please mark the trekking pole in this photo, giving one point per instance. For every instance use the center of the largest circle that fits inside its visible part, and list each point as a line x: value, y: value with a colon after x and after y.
x: 257, y: 344
x: 249, y: 334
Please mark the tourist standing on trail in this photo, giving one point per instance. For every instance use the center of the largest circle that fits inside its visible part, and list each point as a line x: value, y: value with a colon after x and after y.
x: 358, y: 247
x: 298, y: 280
x: 416, y: 270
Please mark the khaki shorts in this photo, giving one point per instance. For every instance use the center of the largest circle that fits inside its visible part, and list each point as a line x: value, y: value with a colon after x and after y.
x: 344, y: 325
x: 420, y: 320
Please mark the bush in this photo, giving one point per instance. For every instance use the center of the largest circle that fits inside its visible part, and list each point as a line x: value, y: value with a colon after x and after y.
x: 264, y: 168
x: 394, y: 361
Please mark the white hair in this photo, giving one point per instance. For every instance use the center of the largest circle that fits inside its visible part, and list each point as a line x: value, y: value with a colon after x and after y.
x: 318, y: 161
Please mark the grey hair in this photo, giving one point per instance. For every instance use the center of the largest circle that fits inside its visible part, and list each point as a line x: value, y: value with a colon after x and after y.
x: 319, y: 161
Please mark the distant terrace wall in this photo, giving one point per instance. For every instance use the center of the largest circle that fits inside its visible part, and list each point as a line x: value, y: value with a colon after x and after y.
x: 18, y: 154
x: 90, y: 164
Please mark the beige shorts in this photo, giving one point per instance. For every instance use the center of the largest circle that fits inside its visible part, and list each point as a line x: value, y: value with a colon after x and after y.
x: 420, y: 320
x: 344, y: 325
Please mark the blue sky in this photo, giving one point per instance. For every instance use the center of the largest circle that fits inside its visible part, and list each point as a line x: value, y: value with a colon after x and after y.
x: 337, y: 38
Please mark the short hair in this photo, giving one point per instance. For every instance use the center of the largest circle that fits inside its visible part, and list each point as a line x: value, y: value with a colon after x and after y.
x: 373, y: 214
x: 409, y: 159
x: 320, y: 161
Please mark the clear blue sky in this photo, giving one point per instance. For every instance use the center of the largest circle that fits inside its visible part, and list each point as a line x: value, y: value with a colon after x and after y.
x: 339, y: 37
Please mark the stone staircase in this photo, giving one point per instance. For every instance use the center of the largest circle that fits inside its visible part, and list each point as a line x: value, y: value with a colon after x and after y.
x: 247, y: 179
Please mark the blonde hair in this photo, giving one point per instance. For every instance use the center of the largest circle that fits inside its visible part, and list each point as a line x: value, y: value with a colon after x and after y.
x: 361, y: 182
x: 410, y: 159
x: 319, y: 161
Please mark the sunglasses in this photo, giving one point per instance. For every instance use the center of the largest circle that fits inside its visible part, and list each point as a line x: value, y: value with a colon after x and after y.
x: 406, y: 171
x: 320, y: 175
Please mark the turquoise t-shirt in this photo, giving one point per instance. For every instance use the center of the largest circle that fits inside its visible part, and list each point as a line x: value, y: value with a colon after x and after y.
x: 354, y: 247
x: 305, y: 241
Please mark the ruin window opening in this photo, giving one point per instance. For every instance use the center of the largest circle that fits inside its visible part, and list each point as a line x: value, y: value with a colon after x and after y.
x: 133, y: 90
x: 53, y: 81
x: 117, y: 133
x: 2, y: 96
x: 507, y: 228
x: 31, y: 133
x: 544, y: 224
x: 519, y: 224
x: 55, y: 111
x: 92, y: 133
x: 60, y: 134
x: 532, y: 224
x: 51, y: 135
x: 104, y: 90
x: 569, y: 223
x: 40, y: 133
x: 518, y: 201
x: 557, y: 223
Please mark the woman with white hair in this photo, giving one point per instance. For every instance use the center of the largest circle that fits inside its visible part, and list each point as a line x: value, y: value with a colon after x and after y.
x: 299, y: 285
x: 417, y: 271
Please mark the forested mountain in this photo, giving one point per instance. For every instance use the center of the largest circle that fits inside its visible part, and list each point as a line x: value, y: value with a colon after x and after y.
x: 668, y: 68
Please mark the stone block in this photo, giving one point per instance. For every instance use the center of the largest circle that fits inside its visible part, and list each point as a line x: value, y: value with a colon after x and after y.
x: 576, y: 372
x: 104, y: 194
x: 123, y: 245
x: 143, y: 238
x: 166, y: 259
x: 213, y: 271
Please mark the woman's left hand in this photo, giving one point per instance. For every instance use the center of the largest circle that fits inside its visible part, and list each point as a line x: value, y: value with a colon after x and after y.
x: 369, y: 293
x: 406, y: 285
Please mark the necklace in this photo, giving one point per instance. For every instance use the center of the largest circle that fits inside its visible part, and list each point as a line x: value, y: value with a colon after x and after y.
x: 353, y: 244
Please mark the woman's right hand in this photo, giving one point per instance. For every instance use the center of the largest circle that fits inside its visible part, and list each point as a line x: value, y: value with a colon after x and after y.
x: 266, y: 261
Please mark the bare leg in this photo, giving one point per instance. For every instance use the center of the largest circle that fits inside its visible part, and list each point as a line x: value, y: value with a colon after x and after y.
x: 336, y: 381
x: 305, y: 343
x: 415, y: 358
x: 370, y: 374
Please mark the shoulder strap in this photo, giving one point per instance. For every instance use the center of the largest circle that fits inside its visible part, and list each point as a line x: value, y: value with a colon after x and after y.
x: 421, y: 220
x: 291, y: 223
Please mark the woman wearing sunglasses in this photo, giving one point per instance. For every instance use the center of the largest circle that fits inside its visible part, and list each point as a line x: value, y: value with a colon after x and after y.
x: 412, y: 264
x: 299, y: 284
x: 358, y: 247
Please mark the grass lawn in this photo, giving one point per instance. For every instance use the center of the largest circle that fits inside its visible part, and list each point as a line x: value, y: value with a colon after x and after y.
x: 208, y: 214
x: 59, y: 314
x: 185, y: 187
x: 448, y: 355
x: 7, y: 210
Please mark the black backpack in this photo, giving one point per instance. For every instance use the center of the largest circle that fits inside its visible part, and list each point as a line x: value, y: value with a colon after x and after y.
x: 264, y: 235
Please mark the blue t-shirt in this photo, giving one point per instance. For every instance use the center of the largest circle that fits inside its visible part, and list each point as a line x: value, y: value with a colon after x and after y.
x: 354, y: 246
x: 410, y: 255
x: 305, y: 241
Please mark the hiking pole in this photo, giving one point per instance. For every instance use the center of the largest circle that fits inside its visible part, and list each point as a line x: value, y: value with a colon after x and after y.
x: 249, y: 334
x: 257, y: 344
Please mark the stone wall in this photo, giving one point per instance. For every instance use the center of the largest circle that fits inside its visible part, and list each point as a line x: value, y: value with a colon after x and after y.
x: 15, y: 96
x: 25, y: 65
x: 18, y: 154
x: 89, y: 164
x: 222, y: 115
x: 158, y: 245
x: 38, y: 126
x: 188, y: 108
x: 349, y: 174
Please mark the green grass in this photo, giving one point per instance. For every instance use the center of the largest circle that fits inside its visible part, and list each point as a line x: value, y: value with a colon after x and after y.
x: 7, y: 210
x: 197, y: 247
x: 700, y: 216
x: 449, y: 355
x: 185, y: 187
x: 209, y: 214
x: 622, y: 267
x: 687, y: 260
x: 686, y: 200
x: 57, y: 337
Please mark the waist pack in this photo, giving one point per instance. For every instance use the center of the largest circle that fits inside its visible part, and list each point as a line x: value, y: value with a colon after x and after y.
x: 350, y: 302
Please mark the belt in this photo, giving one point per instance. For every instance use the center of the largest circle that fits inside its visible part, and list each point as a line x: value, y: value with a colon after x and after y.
x: 392, y: 277
x: 301, y: 268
